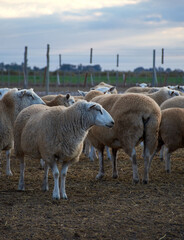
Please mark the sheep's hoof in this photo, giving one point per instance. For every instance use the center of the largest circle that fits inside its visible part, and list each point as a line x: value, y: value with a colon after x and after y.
x: 55, y: 197
x: 45, y: 188
x: 135, y: 181
x: 21, y: 187
x: 115, y: 175
x: 168, y: 171
x: 9, y: 173
x: 145, y: 181
x: 99, y: 176
x: 65, y: 197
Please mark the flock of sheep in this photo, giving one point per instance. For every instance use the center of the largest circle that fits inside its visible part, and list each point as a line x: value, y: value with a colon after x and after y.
x: 57, y: 128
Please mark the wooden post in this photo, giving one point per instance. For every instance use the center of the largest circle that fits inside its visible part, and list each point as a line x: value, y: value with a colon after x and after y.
x: 59, y: 61
x: 162, y: 60
x: 117, y: 65
x: 47, y: 71
x: 154, y: 79
x: 91, y: 60
x: 25, y: 68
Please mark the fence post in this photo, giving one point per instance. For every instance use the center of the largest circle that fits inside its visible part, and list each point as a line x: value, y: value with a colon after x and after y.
x: 154, y: 79
x: 91, y: 60
x: 25, y: 69
x: 117, y: 65
x: 47, y: 71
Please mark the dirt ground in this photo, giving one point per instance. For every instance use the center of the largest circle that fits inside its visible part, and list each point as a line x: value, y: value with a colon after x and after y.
x: 104, y: 209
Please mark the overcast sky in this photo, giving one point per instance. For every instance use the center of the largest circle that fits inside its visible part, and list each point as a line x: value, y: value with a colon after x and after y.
x: 130, y: 28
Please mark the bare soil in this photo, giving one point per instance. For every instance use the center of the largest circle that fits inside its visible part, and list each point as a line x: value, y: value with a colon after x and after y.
x: 103, y: 209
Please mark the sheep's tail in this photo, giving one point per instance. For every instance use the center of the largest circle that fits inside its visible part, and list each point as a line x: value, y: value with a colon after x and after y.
x: 150, y: 133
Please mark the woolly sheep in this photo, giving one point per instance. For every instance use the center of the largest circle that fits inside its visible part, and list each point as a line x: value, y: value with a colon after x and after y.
x: 176, y: 102
x: 56, y: 100
x: 3, y: 91
x: 163, y: 94
x: 10, y: 105
x: 171, y: 133
x: 137, y: 117
x: 104, y: 87
x: 56, y: 135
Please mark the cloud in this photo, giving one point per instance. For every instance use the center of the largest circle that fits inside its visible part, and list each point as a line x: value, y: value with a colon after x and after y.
x: 22, y: 9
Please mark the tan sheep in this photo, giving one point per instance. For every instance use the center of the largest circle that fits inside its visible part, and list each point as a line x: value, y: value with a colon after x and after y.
x: 171, y: 133
x: 176, y: 102
x: 104, y: 87
x: 137, y: 117
x: 137, y: 89
x: 56, y: 100
x: 10, y: 105
x: 56, y: 135
x: 163, y: 94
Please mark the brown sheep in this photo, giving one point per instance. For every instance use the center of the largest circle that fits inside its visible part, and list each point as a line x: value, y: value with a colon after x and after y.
x: 137, y: 117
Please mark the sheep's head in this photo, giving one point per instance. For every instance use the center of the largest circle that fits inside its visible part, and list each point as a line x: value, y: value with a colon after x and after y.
x: 28, y: 97
x: 69, y: 100
x: 101, y: 116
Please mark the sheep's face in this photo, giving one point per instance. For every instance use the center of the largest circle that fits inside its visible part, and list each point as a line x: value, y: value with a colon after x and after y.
x: 3, y: 91
x: 101, y: 116
x: 28, y: 97
x: 69, y: 100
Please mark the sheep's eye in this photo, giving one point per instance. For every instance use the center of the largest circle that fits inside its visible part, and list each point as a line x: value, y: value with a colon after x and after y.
x: 100, y: 110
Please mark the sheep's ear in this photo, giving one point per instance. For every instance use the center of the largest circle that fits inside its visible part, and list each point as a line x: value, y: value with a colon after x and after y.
x: 82, y: 93
x: 171, y: 92
x: 21, y: 93
x: 67, y: 96
x: 112, y: 89
x: 92, y: 106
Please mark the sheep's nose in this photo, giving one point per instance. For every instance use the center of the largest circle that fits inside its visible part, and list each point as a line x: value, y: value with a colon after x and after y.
x: 111, y: 124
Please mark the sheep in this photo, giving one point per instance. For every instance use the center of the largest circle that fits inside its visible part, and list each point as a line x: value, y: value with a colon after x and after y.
x: 163, y: 94
x: 173, y: 102
x: 3, y: 91
x: 142, y: 85
x: 104, y: 87
x: 56, y: 100
x: 171, y: 133
x: 137, y: 89
x: 56, y: 135
x: 137, y: 117
x: 10, y: 105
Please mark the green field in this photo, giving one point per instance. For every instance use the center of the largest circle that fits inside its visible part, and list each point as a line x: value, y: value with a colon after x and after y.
x: 68, y: 78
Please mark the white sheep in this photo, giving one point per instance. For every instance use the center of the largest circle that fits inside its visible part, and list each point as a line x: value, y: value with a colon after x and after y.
x: 56, y: 135
x: 171, y: 133
x: 137, y: 118
x: 10, y: 105
x: 3, y: 91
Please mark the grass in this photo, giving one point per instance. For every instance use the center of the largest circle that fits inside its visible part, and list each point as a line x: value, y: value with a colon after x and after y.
x: 114, y: 78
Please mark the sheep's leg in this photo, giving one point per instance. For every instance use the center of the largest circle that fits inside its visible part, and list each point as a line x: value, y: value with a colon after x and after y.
x: 8, y: 169
x: 92, y: 154
x: 55, y: 172
x: 134, y: 166
x: 146, y: 166
x: 101, y: 165
x: 45, y: 186
x: 42, y: 163
x: 114, y: 163
x: 21, y: 185
x: 108, y: 153
x: 162, y: 153
x: 63, y: 180
x: 150, y: 160
x: 167, y: 160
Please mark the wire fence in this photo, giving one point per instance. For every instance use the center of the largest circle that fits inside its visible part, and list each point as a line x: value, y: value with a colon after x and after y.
x: 117, y: 69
